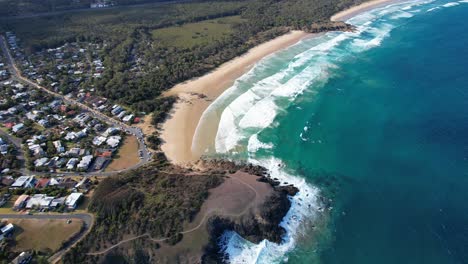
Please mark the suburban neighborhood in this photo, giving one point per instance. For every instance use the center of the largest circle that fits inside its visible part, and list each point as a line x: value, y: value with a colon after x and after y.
x: 57, y: 138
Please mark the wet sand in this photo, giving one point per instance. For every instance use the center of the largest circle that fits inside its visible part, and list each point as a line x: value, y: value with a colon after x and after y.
x: 197, y: 94
x: 356, y: 10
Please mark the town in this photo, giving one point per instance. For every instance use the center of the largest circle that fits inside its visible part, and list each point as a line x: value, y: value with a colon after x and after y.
x: 57, y: 136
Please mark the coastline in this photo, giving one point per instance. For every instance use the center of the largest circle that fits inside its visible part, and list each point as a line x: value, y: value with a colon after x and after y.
x: 356, y: 10
x: 179, y: 130
x: 196, y: 95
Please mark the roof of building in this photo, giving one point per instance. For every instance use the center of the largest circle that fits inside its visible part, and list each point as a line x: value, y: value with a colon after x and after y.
x: 22, y: 198
x: 72, y: 199
x: 22, y: 181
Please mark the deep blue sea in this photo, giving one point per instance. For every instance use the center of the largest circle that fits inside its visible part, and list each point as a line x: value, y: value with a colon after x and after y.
x: 372, y: 126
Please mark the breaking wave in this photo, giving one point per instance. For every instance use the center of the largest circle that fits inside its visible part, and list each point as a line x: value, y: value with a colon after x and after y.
x: 256, y: 99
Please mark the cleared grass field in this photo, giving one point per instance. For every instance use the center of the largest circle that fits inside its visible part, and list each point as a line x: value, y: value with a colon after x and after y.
x: 199, y: 33
x: 110, y: 24
x: 127, y: 155
x: 43, y: 234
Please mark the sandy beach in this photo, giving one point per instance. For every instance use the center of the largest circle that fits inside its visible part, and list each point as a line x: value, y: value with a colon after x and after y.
x: 178, y: 132
x: 355, y: 10
x: 197, y: 94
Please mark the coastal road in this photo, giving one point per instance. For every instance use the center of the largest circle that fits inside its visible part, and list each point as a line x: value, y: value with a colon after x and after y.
x: 137, y: 132
x: 88, y: 221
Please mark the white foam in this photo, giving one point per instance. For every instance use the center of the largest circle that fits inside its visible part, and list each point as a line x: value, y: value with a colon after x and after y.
x: 451, y: 4
x: 463, y: 1
x: 255, y: 144
x: 257, y: 106
x: 401, y: 15
x: 304, y: 209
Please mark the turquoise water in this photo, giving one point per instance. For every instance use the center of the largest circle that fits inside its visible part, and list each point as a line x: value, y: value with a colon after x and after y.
x: 376, y: 121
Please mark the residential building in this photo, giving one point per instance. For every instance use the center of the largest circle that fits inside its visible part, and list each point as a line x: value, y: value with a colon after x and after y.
x: 20, y: 202
x: 84, y: 163
x: 72, y: 200
x: 24, y: 182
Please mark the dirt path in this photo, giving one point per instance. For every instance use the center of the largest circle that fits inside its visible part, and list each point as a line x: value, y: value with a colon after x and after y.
x: 202, y: 222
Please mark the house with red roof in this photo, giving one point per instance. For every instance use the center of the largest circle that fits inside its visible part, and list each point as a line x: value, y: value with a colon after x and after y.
x: 42, y: 183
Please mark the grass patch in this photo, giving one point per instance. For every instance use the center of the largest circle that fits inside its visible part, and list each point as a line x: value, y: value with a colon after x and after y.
x: 110, y: 24
x: 199, y: 33
x: 7, y: 208
x: 127, y: 155
x: 43, y: 234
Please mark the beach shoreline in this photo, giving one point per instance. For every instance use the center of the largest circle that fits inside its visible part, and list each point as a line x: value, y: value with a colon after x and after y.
x: 197, y: 94
x: 361, y: 8
x: 183, y: 125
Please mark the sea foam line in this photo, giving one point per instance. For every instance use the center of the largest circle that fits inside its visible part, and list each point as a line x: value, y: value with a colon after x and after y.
x: 238, y: 125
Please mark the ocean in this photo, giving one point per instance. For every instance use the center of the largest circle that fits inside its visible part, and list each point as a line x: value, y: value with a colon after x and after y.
x: 372, y: 127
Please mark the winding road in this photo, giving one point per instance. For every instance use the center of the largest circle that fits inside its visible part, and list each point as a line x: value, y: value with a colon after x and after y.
x: 137, y: 132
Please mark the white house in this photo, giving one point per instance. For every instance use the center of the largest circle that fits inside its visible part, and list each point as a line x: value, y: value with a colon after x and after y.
x: 72, y: 200
x: 24, y: 182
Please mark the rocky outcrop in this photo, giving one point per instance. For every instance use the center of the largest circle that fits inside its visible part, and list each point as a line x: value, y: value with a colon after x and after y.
x: 255, y: 226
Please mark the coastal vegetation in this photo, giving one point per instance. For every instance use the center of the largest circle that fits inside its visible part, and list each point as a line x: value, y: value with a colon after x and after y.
x: 156, y: 200
x: 148, y: 49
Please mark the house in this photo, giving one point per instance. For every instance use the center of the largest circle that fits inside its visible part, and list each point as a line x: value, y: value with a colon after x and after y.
x: 113, y: 141
x: 83, y: 184
x: 127, y: 118
x: 42, y: 183
x: 72, y: 200
x: 60, y: 162
x: 4, y: 149
x: 54, y: 181
x: 39, y: 201
x: 71, y: 163
x: 24, y: 182
x: 74, y: 152
x: 67, y: 183
x: 7, y: 180
x: 31, y: 116
x: 23, y: 258
x: 16, y: 128
x: 20, y: 202
x: 82, y: 118
x: 121, y: 114
x: 57, y: 202
x: 110, y: 131
x: 41, y: 162
x: 116, y: 110
x: 58, y: 146
x: 100, y: 162
x: 43, y: 122
x: 98, y: 140
x: 84, y: 163
x: 7, y: 229
x: 12, y: 110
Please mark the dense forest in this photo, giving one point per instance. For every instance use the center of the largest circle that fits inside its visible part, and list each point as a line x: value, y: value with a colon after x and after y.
x: 156, y: 200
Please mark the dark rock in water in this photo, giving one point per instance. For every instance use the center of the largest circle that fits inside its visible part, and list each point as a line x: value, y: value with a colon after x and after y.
x: 254, y: 227
x: 262, y: 223
x: 289, y: 190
